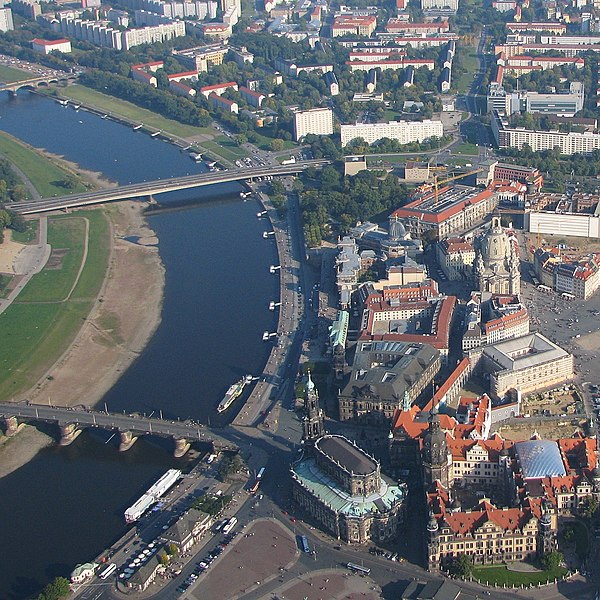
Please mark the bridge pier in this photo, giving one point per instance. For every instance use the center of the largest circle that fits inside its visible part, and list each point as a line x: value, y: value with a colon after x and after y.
x: 181, y: 447
x: 69, y: 432
x: 11, y: 426
x: 127, y: 440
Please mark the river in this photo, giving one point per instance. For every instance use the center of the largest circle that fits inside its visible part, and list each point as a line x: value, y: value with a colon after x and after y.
x: 66, y: 505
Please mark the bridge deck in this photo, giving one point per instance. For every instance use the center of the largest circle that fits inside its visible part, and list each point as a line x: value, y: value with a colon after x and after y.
x: 137, y: 424
x: 159, y: 186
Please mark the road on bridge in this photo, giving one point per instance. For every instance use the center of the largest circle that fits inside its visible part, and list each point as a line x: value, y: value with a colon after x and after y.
x: 160, y: 186
x: 137, y: 424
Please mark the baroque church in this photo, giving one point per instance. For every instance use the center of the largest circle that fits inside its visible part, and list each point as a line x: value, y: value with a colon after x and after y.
x: 496, y: 265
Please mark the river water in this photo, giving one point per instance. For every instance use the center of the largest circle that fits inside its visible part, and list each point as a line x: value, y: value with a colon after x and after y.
x: 67, y: 504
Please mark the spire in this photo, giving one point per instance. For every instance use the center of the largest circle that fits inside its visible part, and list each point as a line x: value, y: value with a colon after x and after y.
x: 406, y: 401
x: 310, y: 386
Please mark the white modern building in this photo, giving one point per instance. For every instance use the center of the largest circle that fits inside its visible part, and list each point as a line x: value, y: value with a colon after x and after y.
x: 440, y: 5
x: 47, y: 46
x: 316, y: 121
x: 405, y: 132
x: 6, y: 19
x: 564, y: 224
x: 517, y: 137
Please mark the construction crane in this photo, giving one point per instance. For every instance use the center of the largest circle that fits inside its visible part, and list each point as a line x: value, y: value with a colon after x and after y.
x: 437, y: 182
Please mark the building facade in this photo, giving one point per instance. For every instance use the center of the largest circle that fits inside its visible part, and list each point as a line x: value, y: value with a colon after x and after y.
x: 405, y: 132
x: 527, y: 363
x: 316, y: 121
x: 385, y: 374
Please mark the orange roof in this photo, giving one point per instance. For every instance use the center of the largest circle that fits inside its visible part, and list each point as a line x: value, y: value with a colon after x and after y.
x: 412, y: 209
x: 218, y: 86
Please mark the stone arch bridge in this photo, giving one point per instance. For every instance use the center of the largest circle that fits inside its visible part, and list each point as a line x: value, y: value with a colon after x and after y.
x: 39, y: 82
x: 73, y: 420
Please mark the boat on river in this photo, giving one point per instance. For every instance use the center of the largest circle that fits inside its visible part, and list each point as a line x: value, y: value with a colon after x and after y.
x: 233, y: 392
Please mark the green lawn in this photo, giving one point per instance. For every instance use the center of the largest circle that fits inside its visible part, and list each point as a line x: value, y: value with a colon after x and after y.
x: 53, y: 283
x: 41, y: 171
x: 264, y: 142
x: 225, y: 147
x: 470, y: 64
x: 4, y: 281
x: 132, y: 112
x: 10, y: 74
x: 466, y: 148
x: 500, y: 575
x: 393, y: 159
x: 391, y: 115
x: 36, y: 332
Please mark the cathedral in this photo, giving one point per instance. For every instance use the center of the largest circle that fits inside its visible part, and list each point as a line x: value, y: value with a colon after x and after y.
x: 496, y: 265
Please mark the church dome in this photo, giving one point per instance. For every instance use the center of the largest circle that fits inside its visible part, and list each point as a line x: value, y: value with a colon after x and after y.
x: 495, y: 245
x: 397, y: 229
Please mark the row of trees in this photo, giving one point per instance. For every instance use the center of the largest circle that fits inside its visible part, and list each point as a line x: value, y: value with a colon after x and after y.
x: 160, y: 101
x: 11, y: 186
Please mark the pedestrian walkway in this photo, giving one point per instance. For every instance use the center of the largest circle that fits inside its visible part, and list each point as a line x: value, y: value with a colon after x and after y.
x: 30, y: 261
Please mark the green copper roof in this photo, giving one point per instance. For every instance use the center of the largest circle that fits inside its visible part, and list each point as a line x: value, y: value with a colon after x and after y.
x: 339, y: 329
x: 330, y: 493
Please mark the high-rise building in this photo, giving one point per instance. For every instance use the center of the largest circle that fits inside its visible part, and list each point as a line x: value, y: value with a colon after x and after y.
x: 316, y: 121
x: 6, y: 20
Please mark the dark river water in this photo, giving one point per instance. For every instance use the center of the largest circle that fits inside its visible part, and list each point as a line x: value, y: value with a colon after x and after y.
x: 67, y: 504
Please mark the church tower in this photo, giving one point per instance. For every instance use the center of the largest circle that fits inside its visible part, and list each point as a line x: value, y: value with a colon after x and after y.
x: 312, y: 422
x: 435, y: 453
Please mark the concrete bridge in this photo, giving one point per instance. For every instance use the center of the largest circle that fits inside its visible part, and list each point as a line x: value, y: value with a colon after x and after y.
x: 38, y: 82
x: 160, y: 186
x: 72, y: 421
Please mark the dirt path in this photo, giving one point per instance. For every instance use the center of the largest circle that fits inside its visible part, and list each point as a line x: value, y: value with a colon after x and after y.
x: 115, y: 333
x: 86, y: 241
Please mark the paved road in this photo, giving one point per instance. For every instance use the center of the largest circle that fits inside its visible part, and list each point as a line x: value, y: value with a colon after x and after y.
x: 159, y: 186
x: 137, y: 424
x: 28, y: 262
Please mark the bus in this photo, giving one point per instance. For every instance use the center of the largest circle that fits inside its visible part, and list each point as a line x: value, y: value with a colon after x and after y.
x: 108, y: 571
x: 304, y: 544
x: 229, y: 525
x: 358, y: 568
x: 257, y: 481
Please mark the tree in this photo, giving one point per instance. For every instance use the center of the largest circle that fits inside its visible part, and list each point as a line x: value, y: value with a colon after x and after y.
x: 163, y: 558
x: 551, y: 561
x: 55, y: 590
x: 276, y: 145
x: 589, y: 507
x: 173, y: 549
x: 461, y: 566
x: 69, y: 182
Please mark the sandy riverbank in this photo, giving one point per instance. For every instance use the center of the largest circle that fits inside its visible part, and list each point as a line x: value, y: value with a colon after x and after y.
x: 121, y: 323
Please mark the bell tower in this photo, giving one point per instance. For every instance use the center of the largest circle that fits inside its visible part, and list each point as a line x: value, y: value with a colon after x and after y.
x: 312, y: 422
x: 435, y: 453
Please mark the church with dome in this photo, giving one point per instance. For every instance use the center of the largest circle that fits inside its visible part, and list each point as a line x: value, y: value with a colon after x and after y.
x: 341, y: 486
x: 496, y: 264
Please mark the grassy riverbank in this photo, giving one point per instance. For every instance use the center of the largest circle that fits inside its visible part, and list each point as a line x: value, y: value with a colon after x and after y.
x: 132, y: 112
x: 11, y: 75
x: 42, y: 323
x: 45, y: 175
